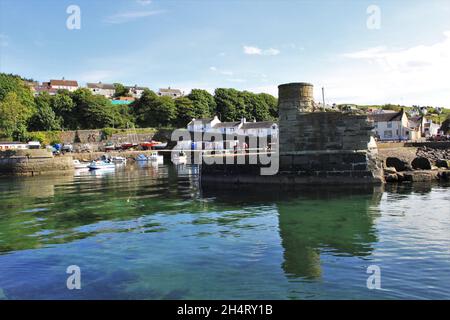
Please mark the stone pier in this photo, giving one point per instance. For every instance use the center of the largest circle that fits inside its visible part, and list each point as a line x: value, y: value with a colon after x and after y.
x: 314, y: 146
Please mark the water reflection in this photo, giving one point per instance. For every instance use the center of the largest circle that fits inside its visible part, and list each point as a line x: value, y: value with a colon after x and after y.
x: 153, y: 232
x: 39, y: 211
x: 340, y: 220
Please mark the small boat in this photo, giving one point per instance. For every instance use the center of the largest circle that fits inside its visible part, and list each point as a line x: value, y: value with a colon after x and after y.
x: 119, y: 160
x: 160, y: 145
x: 141, y: 157
x: 95, y: 165
x: 110, y: 146
x: 80, y: 165
x: 148, y: 145
x: 179, y: 157
x: 154, y: 156
x: 128, y: 145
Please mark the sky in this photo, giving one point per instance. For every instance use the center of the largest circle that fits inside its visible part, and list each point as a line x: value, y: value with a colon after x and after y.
x: 364, y: 52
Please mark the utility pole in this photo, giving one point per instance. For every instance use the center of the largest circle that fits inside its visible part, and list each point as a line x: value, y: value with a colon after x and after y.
x: 323, y: 98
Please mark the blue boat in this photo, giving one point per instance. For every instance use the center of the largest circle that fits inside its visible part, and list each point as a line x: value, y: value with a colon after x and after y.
x: 141, y: 157
x: 95, y: 165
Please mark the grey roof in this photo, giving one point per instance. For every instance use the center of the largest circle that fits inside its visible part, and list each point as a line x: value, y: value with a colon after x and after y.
x: 202, y: 121
x: 177, y: 91
x: 100, y: 86
x: 227, y: 124
x: 258, y: 125
x: 416, y: 118
x: 386, y: 117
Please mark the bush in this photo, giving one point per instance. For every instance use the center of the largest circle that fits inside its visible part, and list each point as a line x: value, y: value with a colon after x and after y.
x: 45, y: 137
x: 108, y: 132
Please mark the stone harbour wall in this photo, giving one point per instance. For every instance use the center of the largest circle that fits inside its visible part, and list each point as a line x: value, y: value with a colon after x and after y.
x: 33, y: 162
x: 324, y: 131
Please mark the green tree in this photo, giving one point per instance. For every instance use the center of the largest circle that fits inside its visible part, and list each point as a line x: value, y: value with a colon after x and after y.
x: 121, y: 90
x: 203, y: 102
x: 92, y: 111
x: 14, y: 115
x: 63, y: 105
x: 255, y: 106
x: 44, y: 119
x: 142, y: 107
x: 229, y: 104
x: 164, y: 112
x: 17, y: 106
x: 12, y: 83
x: 154, y: 111
x: 272, y: 104
x: 185, y: 111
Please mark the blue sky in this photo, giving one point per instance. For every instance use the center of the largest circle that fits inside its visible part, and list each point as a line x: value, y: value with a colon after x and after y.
x: 248, y: 45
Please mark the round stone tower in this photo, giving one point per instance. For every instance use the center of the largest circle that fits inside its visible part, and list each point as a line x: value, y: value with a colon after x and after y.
x: 294, y: 99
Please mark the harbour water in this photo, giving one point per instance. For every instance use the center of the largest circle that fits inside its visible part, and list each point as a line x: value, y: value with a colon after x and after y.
x: 145, y: 232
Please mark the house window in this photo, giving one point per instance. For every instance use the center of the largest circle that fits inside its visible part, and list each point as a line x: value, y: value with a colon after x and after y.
x: 389, y: 125
x: 388, y: 134
x: 376, y: 124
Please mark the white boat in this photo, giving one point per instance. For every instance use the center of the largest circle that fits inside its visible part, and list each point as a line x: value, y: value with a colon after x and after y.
x: 95, y: 165
x: 119, y: 160
x: 154, y: 156
x: 179, y: 157
x: 80, y: 165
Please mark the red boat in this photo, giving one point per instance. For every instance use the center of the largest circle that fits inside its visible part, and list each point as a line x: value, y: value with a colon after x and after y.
x: 126, y: 145
x: 147, y: 145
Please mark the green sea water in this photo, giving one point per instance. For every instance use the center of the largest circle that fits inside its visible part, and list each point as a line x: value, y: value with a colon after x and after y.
x: 144, y: 232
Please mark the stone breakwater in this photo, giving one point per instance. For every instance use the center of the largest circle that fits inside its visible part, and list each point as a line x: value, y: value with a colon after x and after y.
x: 33, y: 162
x: 410, y: 164
x: 433, y: 154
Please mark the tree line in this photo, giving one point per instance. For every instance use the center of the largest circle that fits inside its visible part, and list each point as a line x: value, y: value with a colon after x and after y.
x: 22, y: 112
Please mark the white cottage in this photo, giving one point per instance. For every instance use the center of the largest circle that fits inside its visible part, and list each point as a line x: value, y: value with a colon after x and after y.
x: 70, y: 85
x: 104, y: 89
x: 202, y: 125
x: 259, y: 129
x: 391, y: 126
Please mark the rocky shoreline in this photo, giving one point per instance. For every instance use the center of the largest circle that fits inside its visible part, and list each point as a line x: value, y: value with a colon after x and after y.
x: 416, y: 164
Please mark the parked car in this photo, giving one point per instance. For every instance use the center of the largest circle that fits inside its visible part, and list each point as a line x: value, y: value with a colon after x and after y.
x: 67, y: 148
x: 34, y: 145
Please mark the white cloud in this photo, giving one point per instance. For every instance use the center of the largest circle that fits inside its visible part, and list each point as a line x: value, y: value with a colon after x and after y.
x: 130, y: 16
x: 3, y: 40
x: 271, y: 52
x: 250, y: 50
x: 414, y: 75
